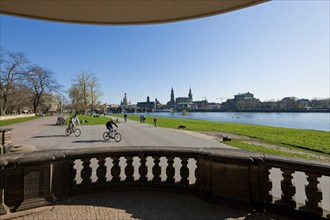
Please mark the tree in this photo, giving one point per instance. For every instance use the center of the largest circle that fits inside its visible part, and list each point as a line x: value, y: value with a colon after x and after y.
x: 81, y: 85
x: 12, y: 67
x: 76, y: 98
x: 85, y: 91
x: 21, y: 100
x: 41, y: 82
x: 94, y: 92
x: 49, y: 103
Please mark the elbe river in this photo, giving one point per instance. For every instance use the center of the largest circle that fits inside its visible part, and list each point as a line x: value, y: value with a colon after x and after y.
x: 310, y: 121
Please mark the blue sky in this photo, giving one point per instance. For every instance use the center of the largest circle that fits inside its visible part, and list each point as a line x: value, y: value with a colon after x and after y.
x: 273, y: 50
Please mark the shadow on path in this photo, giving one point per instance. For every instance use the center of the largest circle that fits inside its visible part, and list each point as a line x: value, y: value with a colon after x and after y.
x: 144, y: 205
x: 47, y: 136
x: 89, y: 141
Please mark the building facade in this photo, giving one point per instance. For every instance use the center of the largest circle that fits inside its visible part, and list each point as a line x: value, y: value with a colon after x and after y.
x: 181, y: 103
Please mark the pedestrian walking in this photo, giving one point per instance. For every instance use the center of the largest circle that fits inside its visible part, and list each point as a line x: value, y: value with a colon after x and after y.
x: 155, y: 121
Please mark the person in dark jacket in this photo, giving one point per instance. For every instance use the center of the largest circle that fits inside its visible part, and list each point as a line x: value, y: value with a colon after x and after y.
x: 110, y: 124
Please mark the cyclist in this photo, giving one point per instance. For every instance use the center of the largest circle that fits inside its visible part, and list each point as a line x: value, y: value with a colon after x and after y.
x: 73, y: 121
x: 110, y: 124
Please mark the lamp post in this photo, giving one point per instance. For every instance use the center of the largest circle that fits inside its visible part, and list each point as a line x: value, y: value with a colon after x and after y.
x: 61, y: 102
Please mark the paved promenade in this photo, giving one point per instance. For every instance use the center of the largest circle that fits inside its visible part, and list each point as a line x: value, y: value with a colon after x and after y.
x: 138, y: 205
x: 44, y: 135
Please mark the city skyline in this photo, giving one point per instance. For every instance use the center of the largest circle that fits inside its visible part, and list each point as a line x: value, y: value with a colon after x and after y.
x: 273, y: 50
x: 219, y: 100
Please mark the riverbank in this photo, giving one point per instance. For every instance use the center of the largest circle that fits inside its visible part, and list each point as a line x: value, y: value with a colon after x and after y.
x: 306, y: 121
x: 310, y: 144
x: 290, y: 110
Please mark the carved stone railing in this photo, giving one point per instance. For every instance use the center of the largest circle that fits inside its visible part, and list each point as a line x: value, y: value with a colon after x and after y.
x: 228, y: 177
x: 5, y: 138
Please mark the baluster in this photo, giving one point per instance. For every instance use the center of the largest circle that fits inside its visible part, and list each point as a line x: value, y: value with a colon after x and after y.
x: 143, y: 170
x: 115, y: 170
x: 101, y: 171
x: 86, y: 173
x: 129, y: 170
x: 184, y: 171
x: 269, y: 185
x: 199, y: 174
x: 170, y: 171
x: 73, y: 174
x: 313, y: 194
x: 288, y: 189
x: 2, y: 187
x: 156, y: 170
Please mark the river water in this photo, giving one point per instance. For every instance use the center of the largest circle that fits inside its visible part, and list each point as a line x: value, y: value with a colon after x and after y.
x: 311, y: 121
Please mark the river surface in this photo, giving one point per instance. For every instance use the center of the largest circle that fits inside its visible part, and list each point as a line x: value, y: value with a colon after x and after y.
x: 310, y: 121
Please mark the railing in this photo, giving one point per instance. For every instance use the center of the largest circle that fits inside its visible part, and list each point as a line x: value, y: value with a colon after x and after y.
x: 228, y: 177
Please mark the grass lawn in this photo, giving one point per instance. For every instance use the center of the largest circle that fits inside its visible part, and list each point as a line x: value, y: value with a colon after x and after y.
x: 17, y: 120
x: 292, y: 140
x: 317, y: 142
x: 90, y: 120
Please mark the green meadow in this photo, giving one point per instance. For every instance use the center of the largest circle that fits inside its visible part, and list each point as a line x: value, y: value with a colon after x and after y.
x: 17, y: 120
x: 90, y: 120
x: 308, y: 141
x: 295, y: 142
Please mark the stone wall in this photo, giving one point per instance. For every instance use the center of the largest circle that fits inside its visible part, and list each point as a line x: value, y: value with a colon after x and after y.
x: 228, y: 177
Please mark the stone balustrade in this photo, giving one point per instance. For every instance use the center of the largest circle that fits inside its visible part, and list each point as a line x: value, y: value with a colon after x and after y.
x: 5, y: 145
x: 227, y: 177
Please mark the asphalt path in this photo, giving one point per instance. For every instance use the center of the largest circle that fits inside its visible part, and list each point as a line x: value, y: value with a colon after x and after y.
x: 45, y: 135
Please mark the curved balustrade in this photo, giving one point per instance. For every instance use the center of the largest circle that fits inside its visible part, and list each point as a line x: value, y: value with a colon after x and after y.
x: 228, y: 177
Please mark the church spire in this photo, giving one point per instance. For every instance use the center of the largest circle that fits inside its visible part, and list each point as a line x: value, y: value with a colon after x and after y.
x: 172, y: 94
x: 190, y: 94
x: 125, y: 102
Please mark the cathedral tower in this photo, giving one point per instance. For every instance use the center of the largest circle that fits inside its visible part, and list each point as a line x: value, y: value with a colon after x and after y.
x: 190, y: 94
x: 172, y: 94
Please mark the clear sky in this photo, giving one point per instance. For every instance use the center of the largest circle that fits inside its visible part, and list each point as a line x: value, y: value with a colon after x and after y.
x: 273, y: 50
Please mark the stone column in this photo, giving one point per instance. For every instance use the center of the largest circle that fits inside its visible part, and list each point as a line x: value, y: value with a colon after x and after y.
x: 184, y: 171
x: 129, y: 170
x: 61, y: 179
x: 170, y: 172
x: 5, y: 140
x: 156, y: 171
x: 143, y: 170
x: 36, y: 189
x: 288, y: 189
x: 2, y: 178
x: 313, y: 194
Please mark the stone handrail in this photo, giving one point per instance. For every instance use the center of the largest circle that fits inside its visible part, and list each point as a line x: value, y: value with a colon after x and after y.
x: 228, y: 177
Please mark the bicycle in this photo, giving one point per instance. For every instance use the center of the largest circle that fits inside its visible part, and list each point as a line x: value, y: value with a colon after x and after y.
x: 112, y: 134
x: 72, y: 129
x: 60, y: 121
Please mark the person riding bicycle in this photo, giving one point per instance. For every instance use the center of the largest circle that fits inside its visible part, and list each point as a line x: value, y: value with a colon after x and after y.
x: 110, y: 124
x: 73, y: 121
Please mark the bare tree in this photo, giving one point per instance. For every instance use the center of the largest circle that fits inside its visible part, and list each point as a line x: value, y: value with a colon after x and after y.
x: 49, y: 103
x: 42, y: 82
x: 81, y: 83
x: 94, y: 92
x: 76, y: 98
x: 12, y: 67
x: 21, y: 99
x: 85, y: 91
